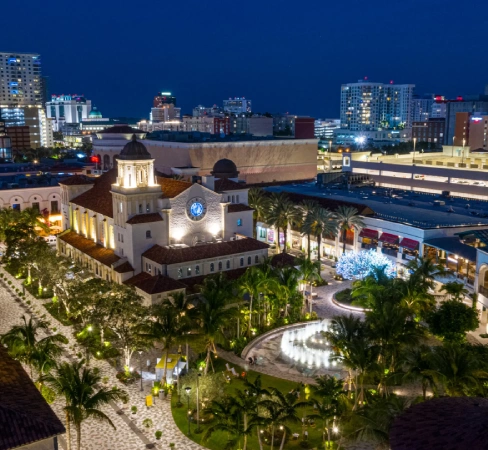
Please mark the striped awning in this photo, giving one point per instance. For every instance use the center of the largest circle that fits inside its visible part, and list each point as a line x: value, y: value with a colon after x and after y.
x: 409, y: 243
x: 369, y: 233
x: 389, y: 238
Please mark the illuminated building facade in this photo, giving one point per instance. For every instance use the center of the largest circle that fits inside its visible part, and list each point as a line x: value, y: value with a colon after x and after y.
x: 63, y: 109
x: 237, y: 105
x: 20, y: 79
x: 368, y: 106
x: 131, y: 226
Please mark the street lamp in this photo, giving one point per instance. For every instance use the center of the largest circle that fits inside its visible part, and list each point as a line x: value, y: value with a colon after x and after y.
x: 198, y: 404
x: 178, y: 370
x: 462, y: 158
x: 414, y: 144
x: 453, y: 140
x: 140, y: 364
x: 188, y: 390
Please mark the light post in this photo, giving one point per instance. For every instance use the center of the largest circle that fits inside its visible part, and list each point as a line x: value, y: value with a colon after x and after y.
x: 198, y: 404
x: 414, y: 144
x: 462, y: 157
x: 188, y: 390
x: 140, y: 364
x: 453, y: 140
x: 178, y: 370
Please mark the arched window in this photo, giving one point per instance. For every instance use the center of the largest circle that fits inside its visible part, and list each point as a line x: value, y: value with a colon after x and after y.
x: 188, y: 272
x: 148, y: 234
x: 256, y: 259
x: 248, y: 260
x: 197, y: 270
x: 227, y: 264
x: 220, y: 265
x: 148, y: 208
x: 140, y: 208
x: 212, y: 267
x: 180, y: 272
x: 241, y: 262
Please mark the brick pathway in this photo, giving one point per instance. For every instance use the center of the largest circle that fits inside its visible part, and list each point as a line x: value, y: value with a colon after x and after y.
x: 129, y: 433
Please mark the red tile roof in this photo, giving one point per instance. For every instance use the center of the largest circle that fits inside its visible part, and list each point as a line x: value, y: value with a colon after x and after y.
x: 98, y: 198
x: 167, y: 255
x: 144, y: 218
x: 76, y: 180
x: 224, y: 184
x: 25, y: 417
x: 171, y: 187
x: 104, y: 255
x: 238, y: 207
x: 124, y: 268
x: 449, y: 423
x: 154, y: 284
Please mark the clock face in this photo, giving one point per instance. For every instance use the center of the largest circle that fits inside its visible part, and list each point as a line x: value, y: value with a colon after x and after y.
x: 196, y: 208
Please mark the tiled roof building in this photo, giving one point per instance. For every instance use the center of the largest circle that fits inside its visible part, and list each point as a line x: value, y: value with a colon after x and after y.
x: 131, y: 226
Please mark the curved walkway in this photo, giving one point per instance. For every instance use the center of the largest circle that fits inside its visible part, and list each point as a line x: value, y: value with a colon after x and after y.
x: 129, y: 433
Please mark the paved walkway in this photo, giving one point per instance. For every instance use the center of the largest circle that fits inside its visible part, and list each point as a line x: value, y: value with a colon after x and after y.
x: 129, y: 433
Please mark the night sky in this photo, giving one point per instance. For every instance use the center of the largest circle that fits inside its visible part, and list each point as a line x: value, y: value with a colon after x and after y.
x: 287, y: 56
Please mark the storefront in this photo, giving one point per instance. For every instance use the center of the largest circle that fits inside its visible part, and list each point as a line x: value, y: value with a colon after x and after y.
x: 389, y: 244
x: 368, y: 238
x: 409, y: 248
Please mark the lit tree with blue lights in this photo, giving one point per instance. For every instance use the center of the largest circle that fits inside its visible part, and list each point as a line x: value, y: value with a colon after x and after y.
x: 356, y: 266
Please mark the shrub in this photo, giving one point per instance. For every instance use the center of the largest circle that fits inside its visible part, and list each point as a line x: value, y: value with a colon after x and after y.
x: 344, y: 296
x: 133, y: 409
x: 452, y: 320
x: 147, y: 423
x: 105, y: 380
x: 158, y: 434
x: 54, y: 329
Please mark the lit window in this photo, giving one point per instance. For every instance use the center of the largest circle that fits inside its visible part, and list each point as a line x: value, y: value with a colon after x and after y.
x: 148, y: 207
x: 188, y: 272
x: 180, y: 272
x: 239, y: 222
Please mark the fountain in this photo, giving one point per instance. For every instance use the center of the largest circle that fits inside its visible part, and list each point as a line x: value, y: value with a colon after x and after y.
x: 307, y: 346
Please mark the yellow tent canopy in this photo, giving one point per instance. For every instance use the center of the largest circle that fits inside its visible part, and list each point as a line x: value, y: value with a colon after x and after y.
x: 171, y: 364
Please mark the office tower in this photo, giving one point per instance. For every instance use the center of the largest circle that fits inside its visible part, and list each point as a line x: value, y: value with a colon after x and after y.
x: 67, y: 109
x: 164, y: 98
x: 368, y: 106
x: 20, y: 79
x: 237, y: 105
x: 472, y: 105
x: 422, y: 107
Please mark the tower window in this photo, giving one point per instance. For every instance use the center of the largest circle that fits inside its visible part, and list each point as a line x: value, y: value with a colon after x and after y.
x: 148, y: 234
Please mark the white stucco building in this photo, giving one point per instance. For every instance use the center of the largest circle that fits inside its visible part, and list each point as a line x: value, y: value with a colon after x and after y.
x: 158, y: 234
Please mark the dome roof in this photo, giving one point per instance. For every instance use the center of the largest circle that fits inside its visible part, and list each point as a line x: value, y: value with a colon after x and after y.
x: 134, y: 150
x: 95, y: 113
x: 225, y: 168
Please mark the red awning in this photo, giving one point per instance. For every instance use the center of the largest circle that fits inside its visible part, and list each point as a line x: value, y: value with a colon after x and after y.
x: 410, y: 244
x: 389, y: 238
x: 369, y: 233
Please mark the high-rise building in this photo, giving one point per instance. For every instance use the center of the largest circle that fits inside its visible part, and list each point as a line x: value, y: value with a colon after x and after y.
x: 422, y: 107
x: 164, y: 98
x: 255, y: 125
x: 368, y: 106
x: 20, y: 79
x: 213, y: 111
x: 237, y: 105
x: 165, y: 113
x: 324, y: 129
x: 5, y: 144
x: 66, y: 109
x: 468, y: 105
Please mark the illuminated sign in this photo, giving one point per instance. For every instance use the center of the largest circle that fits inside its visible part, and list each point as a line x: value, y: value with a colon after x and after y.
x: 476, y: 119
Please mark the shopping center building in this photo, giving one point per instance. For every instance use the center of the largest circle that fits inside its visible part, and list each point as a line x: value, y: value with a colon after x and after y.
x: 158, y: 234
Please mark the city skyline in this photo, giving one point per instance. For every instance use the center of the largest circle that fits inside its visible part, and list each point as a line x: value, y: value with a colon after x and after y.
x: 286, y: 59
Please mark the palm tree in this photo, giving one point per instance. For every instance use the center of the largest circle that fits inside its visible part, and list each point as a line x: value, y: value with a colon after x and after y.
x: 458, y: 370
x: 308, y: 208
x: 309, y: 272
x: 422, y: 271
x: 164, y: 327
x: 23, y: 344
x: 347, y: 217
x: 417, y: 366
x: 455, y: 290
x: 213, y: 316
x: 330, y: 403
x: 373, y: 420
x: 280, y: 409
x: 77, y: 385
x: 321, y: 223
x: 282, y: 213
x: 249, y: 284
x: 286, y: 285
x: 258, y: 200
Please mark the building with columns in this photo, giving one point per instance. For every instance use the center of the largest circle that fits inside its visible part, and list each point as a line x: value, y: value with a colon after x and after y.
x: 130, y: 226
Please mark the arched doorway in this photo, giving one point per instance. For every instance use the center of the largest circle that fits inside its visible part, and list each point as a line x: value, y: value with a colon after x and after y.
x: 106, y: 162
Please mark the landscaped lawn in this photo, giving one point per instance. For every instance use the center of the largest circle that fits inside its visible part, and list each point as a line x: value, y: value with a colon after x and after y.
x: 218, y: 439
